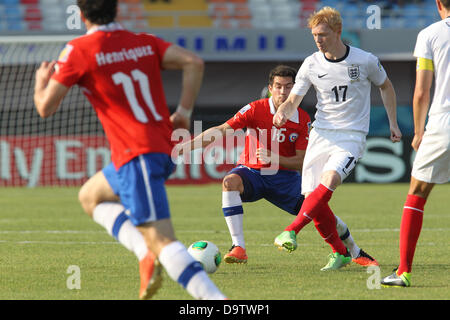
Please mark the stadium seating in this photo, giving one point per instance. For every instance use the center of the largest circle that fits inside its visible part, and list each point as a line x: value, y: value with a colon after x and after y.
x: 51, y: 15
x: 177, y: 14
x: 230, y: 14
x: 295, y: 13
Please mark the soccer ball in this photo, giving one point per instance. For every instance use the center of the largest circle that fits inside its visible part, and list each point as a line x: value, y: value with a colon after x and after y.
x: 207, y: 254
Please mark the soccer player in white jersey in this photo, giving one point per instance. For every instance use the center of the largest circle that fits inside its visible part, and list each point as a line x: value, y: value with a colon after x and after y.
x: 248, y: 182
x: 342, y: 76
x: 432, y: 162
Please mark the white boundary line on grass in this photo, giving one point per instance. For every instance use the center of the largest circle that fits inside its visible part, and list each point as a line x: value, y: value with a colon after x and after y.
x: 181, y: 231
x: 44, y: 242
x: 61, y: 242
x: 51, y: 231
x: 193, y: 231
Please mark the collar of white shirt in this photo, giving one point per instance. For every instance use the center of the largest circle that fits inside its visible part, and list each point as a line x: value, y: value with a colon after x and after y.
x: 294, y: 117
x: 113, y: 26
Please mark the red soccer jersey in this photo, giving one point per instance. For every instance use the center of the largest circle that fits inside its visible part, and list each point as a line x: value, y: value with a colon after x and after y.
x: 120, y: 74
x: 257, y: 117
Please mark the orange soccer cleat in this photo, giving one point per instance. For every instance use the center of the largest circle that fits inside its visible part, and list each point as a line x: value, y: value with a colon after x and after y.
x: 236, y: 255
x: 151, y: 278
x: 365, y: 260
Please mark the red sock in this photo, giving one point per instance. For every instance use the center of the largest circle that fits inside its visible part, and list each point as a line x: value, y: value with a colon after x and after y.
x: 311, y: 207
x: 410, y: 228
x: 325, y: 223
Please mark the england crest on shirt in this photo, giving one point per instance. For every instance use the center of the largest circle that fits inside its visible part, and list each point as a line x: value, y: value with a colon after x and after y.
x: 353, y: 72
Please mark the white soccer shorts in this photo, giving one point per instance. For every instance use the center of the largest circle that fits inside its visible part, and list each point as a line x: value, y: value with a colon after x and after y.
x: 327, y: 150
x: 432, y: 162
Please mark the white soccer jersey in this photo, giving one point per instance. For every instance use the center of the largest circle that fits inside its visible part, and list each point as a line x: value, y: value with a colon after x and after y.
x: 342, y: 88
x: 433, y: 43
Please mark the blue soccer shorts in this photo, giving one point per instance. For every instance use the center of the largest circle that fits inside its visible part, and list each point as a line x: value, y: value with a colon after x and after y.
x: 140, y: 183
x: 282, y: 189
x: 110, y: 174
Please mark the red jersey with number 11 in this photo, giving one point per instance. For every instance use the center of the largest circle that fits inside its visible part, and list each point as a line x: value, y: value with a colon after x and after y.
x: 120, y: 73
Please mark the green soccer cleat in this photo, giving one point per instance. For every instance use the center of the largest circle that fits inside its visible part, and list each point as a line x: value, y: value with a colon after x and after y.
x: 337, y: 261
x: 395, y: 280
x: 286, y: 241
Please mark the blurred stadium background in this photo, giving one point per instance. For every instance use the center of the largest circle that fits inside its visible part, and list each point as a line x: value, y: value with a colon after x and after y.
x: 240, y: 41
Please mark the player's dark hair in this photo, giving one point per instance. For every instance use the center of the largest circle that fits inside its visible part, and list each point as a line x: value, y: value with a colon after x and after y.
x: 98, y: 11
x: 282, y: 71
x: 446, y: 4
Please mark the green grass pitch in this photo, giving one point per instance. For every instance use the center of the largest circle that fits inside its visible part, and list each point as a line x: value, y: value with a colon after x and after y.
x: 43, y: 232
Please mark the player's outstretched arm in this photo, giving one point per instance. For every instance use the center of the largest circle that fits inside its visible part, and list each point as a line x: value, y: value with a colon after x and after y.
x: 286, y: 109
x: 192, y: 66
x: 421, y: 103
x: 48, y: 93
x: 390, y: 104
x: 205, y: 138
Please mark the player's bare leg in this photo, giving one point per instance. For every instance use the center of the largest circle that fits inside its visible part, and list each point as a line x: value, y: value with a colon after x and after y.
x: 179, y: 264
x: 100, y: 202
x: 420, y: 188
x: 232, y: 188
x: 233, y: 182
x: 331, y: 179
x: 95, y: 191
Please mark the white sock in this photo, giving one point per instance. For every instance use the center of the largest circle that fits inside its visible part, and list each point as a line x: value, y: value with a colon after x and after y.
x: 234, y: 216
x: 235, y: 226
x: 346, y: 237
x: 111, y: 216
x: 201, y: 287
x: 181, y: 267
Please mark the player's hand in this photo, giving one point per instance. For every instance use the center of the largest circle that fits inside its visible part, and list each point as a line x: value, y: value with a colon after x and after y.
x: 417, y: 140
x: 180, y: 122
x: 279, y: 119
x: 263, y: 155
x: 44, y: 73
x: 396, y: 134
x: 177, y: 150
x: 181, y: 153
x: 266, y: 156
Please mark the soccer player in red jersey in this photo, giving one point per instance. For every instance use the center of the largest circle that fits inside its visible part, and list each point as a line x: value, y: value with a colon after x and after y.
x: 120, y: 74
x: 269, y: 165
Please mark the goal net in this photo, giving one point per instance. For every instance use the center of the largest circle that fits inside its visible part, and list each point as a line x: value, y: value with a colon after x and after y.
x: 62, y: 150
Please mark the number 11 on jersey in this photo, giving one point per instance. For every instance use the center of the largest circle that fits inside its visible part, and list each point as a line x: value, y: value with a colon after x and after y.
x: 126, y: 81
